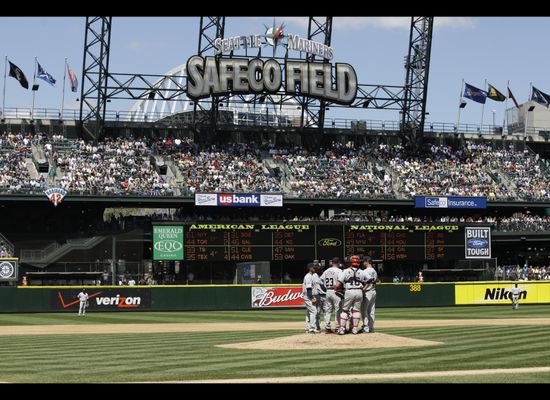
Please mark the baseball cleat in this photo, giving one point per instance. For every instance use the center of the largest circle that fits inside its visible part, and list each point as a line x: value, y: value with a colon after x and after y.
x: 365, y: 330
x: 341, y: 332
x: 328, y: 330
x: 354, y: 331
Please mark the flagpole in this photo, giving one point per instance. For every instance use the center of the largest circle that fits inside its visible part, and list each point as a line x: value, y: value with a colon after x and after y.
x: 63, y: 93
x: 33, y: 91
x: 482, y: 110
x: 527, y: 114
x: 459, y: 104
x: 505, y: 117
x: 4, y: 91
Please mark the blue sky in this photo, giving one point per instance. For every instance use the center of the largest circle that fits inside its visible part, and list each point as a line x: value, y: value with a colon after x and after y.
x: 474, y: 48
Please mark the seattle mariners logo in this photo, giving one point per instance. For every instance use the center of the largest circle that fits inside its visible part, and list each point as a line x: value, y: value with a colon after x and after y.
x: 274, y: 34
x: 6, y: 270
x: 56, y: 195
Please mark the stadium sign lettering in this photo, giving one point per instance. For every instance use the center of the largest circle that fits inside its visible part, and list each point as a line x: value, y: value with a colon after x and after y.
x: 284, y: 227
x: 502, y: 294
x: 213, y: 76
x: 449, y: 228
x: 478, y: 242
x: 219, y: 227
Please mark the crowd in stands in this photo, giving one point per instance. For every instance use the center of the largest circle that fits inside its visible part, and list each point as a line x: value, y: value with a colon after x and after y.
x: 121, y: 166
x: 113, y: 167
x: 232, y: 168
x: 525, y: 273
x: 15, y: 149
x: 527, y: 172
x: 5, y: 250
x: 338, y: 172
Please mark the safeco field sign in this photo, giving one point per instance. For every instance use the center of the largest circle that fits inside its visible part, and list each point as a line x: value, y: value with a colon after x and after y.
x: 167, y: 242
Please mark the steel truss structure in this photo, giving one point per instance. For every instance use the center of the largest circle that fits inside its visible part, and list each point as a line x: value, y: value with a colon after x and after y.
x: 95, y: 75
x: 102, y: 85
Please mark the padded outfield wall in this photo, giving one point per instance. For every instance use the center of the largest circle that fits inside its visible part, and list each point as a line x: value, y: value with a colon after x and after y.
x: 247, y: 297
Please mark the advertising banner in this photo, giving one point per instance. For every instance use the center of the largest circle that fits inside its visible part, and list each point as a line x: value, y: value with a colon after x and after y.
x: 239, y: 199
x: 270, y: 297
x: 477, y: 242
x: 167, y: 242
x: 500, y: 293
x: 449, y: 202
x: 102, y: 299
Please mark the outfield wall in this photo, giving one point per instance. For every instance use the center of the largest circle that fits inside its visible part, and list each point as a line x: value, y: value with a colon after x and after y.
x: 247, y: 297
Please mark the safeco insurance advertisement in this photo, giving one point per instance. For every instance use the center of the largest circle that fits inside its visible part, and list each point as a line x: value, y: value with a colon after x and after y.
x: 500, y: 293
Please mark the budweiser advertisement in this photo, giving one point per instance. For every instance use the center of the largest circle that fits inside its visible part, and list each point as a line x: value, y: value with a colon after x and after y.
x: 285, y: 296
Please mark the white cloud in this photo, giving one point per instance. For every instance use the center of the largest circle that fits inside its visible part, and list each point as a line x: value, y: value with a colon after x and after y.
x: 358, y: 23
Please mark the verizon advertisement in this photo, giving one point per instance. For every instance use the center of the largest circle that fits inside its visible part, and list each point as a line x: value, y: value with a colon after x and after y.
x: 271, y: 297
x: 103, y: 299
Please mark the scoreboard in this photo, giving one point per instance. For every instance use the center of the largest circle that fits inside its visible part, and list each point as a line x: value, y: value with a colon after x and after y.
x: 309, y: 241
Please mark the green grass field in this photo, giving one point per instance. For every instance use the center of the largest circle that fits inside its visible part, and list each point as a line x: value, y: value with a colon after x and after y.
x: 130, y: 357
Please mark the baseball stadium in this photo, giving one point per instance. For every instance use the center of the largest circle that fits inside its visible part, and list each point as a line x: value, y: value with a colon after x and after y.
x: 265, y: 211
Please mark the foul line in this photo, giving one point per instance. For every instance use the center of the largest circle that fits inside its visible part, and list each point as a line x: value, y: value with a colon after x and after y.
x: 369, y: 377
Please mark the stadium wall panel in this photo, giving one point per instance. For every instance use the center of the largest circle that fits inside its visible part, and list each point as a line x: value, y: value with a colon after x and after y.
x: 238, y: 297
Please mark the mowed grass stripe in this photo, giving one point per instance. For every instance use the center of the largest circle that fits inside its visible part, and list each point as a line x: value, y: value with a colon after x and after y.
x: 506, y: 312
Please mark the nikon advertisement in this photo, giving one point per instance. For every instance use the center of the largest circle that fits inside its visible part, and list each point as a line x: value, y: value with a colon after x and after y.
x: 500, y: 293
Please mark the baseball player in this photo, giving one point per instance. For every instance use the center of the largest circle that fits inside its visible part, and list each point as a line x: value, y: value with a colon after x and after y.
x: 351, y: 280
x: 83, y: 297
x: 332, y: 300
x: 320, y: 292
x: 310, y: 300
x: 515, y: 296
x: 369, y: 277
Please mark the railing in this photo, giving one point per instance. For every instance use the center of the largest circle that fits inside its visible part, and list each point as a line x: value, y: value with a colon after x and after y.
x: 9, y: 245
x: 260, y: 119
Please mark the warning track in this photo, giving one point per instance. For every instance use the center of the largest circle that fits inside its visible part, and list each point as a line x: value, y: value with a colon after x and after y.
x: 349, y: 378
x: 247, y: 326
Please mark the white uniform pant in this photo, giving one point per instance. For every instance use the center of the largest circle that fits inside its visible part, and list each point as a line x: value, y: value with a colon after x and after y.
x: 515, y: 301
x: 311, y: 311
x: 332, y: 304
x: 320, y: 305
x: 368, y: 309
x: 82, y: 308
x: 352, y: 307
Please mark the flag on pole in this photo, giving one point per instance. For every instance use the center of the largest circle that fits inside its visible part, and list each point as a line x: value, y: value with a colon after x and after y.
x: 42, y: 74
x: 16, y: 73
x: 72, y: 77
x: 540, y: 97
x: 511, y: 96
x: 494, y: 94
x: 475, y: 94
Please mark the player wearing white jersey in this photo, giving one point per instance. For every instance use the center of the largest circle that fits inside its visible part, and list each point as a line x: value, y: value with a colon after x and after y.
x: 332, y: 300
x: 309, y: 299
x: 369, y: 277
x: 319, y: 291
x: 83, y: 297
x: 515, y: 297
x: 351, y: 280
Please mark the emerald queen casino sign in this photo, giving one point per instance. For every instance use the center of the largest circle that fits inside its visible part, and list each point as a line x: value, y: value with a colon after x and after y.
x: 213, y: 76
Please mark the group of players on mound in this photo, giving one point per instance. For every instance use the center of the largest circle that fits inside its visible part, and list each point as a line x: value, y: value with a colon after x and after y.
x: 348, y: 290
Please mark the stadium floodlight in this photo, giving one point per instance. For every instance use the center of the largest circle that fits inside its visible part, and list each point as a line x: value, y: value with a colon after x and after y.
x: 462, y: 104
x: 531, y: 108
x: 35, y: 87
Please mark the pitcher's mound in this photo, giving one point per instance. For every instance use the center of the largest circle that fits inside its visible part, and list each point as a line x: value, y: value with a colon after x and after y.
x: 331, y: 341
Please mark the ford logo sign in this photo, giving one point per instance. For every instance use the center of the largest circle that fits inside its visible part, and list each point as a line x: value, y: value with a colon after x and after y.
x: 477, y: 243
x: 330, y: 242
